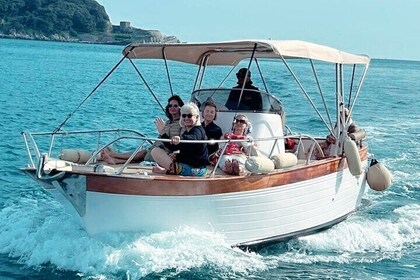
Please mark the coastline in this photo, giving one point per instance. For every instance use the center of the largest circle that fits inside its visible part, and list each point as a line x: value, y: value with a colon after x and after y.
x: 77, y: 41
x: 121, y: 37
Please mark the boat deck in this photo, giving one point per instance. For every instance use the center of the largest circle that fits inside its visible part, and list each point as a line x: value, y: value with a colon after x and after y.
x: 137, y: 170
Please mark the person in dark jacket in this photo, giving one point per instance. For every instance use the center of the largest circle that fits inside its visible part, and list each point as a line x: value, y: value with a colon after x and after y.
x: 192, y: 158
x: 213, y: 131
x: 251, y: 97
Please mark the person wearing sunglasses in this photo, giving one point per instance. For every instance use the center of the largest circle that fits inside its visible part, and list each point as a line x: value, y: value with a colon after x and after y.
x: 170, y: 128
x: 192, y: 158
x: 166, y: 129
x: 233, y: 159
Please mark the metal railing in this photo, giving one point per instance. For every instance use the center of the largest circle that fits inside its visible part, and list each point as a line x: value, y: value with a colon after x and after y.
x: 33, y: 150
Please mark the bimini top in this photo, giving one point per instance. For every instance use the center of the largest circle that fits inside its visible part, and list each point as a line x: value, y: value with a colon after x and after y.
x: 232, y: 52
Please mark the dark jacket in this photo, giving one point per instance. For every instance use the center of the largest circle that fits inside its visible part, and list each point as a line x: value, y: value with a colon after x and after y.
x: 195, y: 155
x: 251, y: 100
x: 213, y: 131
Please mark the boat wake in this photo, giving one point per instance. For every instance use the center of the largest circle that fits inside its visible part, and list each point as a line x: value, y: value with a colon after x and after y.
x: 357, y: 240
x: 39, y: 233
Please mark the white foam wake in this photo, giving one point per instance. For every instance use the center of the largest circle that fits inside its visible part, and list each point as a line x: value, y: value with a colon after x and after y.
x: 40, y: 232
x: 359, y: 239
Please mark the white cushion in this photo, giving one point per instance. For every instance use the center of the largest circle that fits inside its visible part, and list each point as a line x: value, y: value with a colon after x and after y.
x: 261, y: 164
x: 284, y: 160
x: 75, y: 155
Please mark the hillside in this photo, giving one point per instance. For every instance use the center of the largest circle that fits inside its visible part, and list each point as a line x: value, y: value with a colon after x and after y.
x: 69, y: 20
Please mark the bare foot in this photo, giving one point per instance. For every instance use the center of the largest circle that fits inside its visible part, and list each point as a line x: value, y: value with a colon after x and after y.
x: 237, y: 169
x: 106, y: 157
x: 228, y: 167
x: 110, y: 152
x: 158, y: 169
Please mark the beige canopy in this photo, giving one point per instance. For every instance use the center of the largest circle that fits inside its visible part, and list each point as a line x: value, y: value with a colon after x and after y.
x: 232, y: 52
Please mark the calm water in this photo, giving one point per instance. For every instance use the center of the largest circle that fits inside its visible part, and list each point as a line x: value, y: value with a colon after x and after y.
x: 41, y: 82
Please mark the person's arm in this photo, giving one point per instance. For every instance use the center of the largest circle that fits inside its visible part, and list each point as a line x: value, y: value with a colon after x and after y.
x: 168, y: 145
x: 160, y: 126
x: 260, y: 102
x: 258, y: 99
x: 232, y: 101
x: 227, y: 135
x: 247, y: 143
x: 218, y: 133
x: 164, y: 136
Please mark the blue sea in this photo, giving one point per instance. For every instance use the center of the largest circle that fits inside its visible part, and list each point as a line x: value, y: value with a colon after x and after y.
x: 42, y: 82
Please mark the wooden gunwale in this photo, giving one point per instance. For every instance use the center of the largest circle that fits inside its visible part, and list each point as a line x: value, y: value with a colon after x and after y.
x: 170, y: 185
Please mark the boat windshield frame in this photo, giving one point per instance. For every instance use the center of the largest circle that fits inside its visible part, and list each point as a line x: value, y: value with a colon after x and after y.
x: 219, y: 96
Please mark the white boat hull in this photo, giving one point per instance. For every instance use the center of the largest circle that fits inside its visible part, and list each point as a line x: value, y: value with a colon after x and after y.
x: 245, y: 218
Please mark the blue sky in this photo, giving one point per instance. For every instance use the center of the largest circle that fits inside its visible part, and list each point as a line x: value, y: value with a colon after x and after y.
x: 379, y: 28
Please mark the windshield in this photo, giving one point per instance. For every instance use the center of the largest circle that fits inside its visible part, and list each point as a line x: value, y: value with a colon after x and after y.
x: 228, y: 100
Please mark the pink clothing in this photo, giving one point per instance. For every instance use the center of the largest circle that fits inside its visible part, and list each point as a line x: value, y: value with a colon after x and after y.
x: 233, y: 147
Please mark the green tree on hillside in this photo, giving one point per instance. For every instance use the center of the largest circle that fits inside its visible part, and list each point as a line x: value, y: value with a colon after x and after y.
x: 52, y: 17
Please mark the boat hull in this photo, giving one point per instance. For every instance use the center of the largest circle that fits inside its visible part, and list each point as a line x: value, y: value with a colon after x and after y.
x: 245, y: 218
x: 250, y: 211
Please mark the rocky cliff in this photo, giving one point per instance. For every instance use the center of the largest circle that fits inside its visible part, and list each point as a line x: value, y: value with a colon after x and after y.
x: 69, y: 20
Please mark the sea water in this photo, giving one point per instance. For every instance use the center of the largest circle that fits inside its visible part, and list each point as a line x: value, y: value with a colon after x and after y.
x: 42, y: 82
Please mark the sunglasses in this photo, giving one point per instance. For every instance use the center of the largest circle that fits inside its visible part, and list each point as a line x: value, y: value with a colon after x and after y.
x: 240, y: 121
x: 187, y: 116
x: 173, y: 105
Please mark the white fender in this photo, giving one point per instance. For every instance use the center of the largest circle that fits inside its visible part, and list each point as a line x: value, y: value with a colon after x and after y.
x: 378, y: 176
x: 261, y: 164
x: 75, y: 155
x: 358, y: 135
x: 353, y: 157
x: 284, y: 160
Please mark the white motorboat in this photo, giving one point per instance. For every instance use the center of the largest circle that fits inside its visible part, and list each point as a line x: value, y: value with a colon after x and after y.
x: 305, y: 191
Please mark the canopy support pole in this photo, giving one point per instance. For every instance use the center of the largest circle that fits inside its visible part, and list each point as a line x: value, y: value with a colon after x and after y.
x: 147, y: 85
x: 321, y: 93
x: 303, y: 90
x: 246, y: 75
x: 351, y: 85
x: 90, y: 94
x: 167, y: 70
x: 261, y: 75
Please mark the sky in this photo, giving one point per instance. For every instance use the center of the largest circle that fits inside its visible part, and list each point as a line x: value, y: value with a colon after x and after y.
x: 387, y: 29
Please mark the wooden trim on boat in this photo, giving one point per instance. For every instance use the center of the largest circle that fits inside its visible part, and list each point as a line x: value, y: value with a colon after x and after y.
x: 170, y: 185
